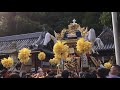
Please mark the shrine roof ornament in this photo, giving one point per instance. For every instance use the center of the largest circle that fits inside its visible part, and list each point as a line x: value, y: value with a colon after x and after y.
x: 74, y: 21
x: 73, y: 25
x: 71, y: 30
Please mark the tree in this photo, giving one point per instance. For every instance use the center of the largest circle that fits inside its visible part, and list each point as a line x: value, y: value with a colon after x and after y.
x: 11, y: 23
x: 91, y: 20
x: 28, y: 22
x: 106, y: 19
x: 3, y: 24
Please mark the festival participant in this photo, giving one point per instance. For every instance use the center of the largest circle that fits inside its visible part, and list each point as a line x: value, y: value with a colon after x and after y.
x: 58, y: 76
x: 73, y: 74
x: 46, y: 73
x: 4, y: 73
x: 23, y: 75
x: 114, y: 72
x: 14, y: 75
x: 65, y: 74
x: 40, y: 73
x: 102, y: 72
x: 34, y: 75
x: 51, y: 74
x: 28, y: 75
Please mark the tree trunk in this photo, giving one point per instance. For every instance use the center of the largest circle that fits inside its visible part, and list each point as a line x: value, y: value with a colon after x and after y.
x: 12, y: 23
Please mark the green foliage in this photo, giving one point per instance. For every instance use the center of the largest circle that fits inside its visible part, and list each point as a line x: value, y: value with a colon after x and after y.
x: 91, y: 20
x: 28, y: 22
x: 3, y: 24
x: 25, y: 25
x: 106, y: 19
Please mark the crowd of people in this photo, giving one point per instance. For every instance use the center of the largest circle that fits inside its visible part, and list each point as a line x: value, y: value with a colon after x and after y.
x: 114, y: 72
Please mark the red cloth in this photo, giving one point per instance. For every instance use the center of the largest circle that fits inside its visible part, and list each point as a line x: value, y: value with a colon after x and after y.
x: 6, y: 75
x: 88, y: 55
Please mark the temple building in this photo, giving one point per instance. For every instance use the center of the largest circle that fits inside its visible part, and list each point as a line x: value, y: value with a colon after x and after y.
x: 10, y: 46
x: 108, y: 51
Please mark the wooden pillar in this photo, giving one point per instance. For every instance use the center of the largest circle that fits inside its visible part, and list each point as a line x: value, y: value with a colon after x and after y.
x: 34, y: 61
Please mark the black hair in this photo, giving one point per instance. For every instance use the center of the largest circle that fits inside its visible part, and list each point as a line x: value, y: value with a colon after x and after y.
x: 65, y: 74
x: 48, y: 71
x: 4, y: 71
x: 51, y: 73
x: 24, y: 74
x: 89, y: 75
x: 103, y: 72
x: 86, y: 75
x: 14, y: 75
x: 18, y: 66
x: 28, y: 76
x: 57, y: 31
x: 117, y: 66
x: 49, y: 77
x: 93, y: 75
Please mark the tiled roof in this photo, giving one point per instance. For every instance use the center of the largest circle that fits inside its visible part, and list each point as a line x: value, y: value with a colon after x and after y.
x: 9, y: 44
x: 108, y: 40
x: 20, y: 37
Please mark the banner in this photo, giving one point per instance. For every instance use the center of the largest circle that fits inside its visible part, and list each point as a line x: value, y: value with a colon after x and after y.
x: 84, y: 61
x: 71, y: 50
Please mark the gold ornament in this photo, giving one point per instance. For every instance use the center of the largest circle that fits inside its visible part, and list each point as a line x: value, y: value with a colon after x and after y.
x: 107, y: 65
